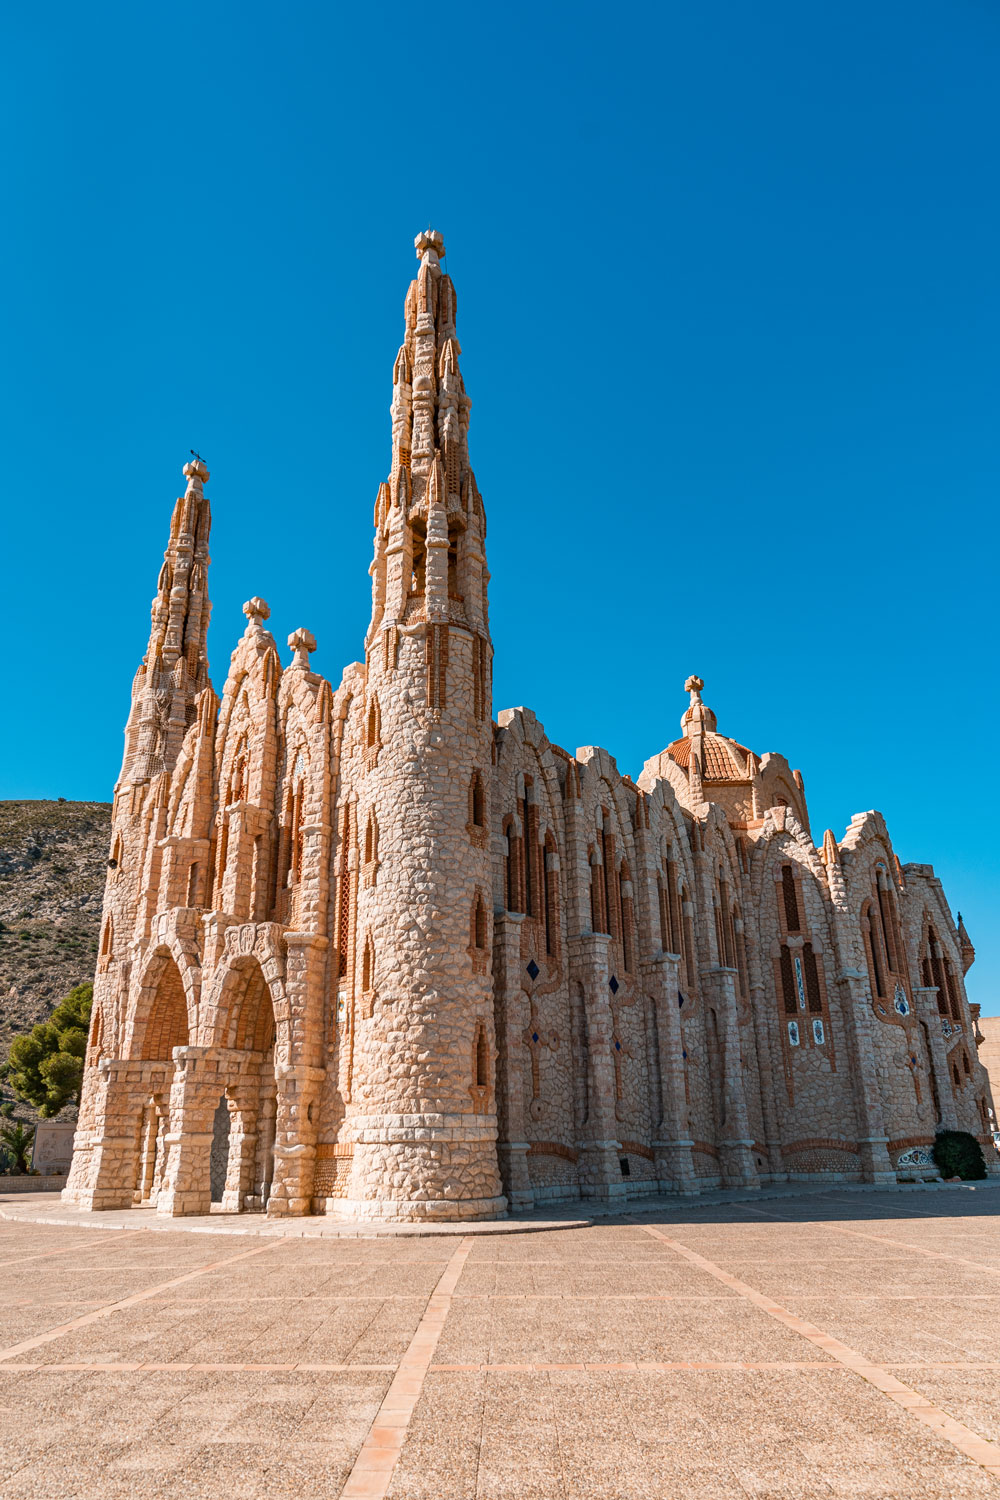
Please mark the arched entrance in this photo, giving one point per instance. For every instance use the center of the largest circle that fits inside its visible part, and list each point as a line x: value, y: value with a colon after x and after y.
x: 251, y: 1096
x: 161, y: 1026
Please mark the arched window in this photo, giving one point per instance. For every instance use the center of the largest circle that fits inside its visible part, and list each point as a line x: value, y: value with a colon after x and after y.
x: 790, y: 898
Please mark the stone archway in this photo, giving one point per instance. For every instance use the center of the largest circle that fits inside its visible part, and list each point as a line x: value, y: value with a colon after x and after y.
x: 247, y: 1058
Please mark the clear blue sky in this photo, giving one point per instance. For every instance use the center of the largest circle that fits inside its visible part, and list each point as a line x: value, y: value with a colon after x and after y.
x: 728, y: 296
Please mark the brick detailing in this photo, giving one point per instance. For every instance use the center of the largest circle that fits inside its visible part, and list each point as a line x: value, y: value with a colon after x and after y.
x: 371, y: 1475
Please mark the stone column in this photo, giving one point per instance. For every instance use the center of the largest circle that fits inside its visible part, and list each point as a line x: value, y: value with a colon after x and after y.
x: 600, y: 1172
x: 103, y: 1173
x: 511, y: 1018
x: 671, y: 1145
x: 856, y: 1007
x: 925, y: 1000
x: 736, y: 1146
x: 197, y: 1088
x: 299, y: 1078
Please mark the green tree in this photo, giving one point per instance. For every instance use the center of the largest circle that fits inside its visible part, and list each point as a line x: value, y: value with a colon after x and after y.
x: 45, y: 1067
x: 17, y: 1141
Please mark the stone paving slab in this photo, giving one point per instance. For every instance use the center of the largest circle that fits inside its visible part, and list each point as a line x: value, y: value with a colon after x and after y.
x: 679, y: 1351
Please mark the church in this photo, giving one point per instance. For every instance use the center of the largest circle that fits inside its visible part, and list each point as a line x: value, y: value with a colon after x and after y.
x: 367, y: 951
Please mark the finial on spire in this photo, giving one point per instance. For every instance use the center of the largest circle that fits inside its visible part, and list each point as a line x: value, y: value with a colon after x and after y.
x: 694, y: 685
x: 303, y: 643
x: 429, y: 245
x: 196, y: 473
x: 257, y: 610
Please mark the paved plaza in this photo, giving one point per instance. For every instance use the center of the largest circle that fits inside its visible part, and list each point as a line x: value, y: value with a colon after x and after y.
x: 817, y: 1344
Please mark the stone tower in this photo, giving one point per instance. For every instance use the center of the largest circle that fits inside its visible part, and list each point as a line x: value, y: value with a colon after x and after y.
x: 424, y: 1112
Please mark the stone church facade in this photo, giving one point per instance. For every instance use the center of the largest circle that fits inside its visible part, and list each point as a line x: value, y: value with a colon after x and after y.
x: 368, y: 952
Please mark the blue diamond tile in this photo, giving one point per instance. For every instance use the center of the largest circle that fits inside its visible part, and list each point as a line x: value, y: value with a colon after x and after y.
x: 534, y: 1036
x: 684, y: 1054
x: 618, y: 1046
x: 680, y: 999
x: 533, y: 969
x: 613, y: 985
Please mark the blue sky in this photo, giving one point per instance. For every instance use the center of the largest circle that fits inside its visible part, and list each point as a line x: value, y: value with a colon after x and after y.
x: 728, y: 299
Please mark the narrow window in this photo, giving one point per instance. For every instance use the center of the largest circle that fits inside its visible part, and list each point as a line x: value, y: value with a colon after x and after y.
x: 788, y: 995
x: 813, y: 991
x: 884, y: 904
x: 869, y: 923
x: 192, y: 890
x: 479, y: 922
x: 368, y: 965
x: 791, y: 899
x: 482, y: 1059
x: 477, y: 806
x: 551, y: 880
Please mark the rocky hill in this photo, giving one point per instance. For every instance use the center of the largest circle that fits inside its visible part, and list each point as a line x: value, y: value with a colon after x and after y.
x: 53, y: 862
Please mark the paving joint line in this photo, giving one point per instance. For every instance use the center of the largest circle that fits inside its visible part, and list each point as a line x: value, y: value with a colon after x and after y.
x: 372, y: 1472
x: 967, y: 1441
x: 878, y: 1239
x: 112, y: 1307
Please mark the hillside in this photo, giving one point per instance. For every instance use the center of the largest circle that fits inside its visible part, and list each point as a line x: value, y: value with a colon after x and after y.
x: 53, y: 862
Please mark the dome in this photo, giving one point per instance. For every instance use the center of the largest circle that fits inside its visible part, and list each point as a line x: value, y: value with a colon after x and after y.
x: 722, y: 759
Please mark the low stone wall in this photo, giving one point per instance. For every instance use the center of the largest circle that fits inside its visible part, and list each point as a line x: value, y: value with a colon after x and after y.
x: 30, y: 1184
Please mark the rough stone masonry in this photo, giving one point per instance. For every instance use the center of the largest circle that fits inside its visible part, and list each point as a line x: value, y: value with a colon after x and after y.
x: 367, y: 952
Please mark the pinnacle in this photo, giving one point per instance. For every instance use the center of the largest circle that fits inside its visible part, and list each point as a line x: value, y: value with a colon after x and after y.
x: 429, y: 245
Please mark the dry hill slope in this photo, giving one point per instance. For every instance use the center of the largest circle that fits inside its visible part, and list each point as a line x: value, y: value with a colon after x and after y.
x: 53, y: 862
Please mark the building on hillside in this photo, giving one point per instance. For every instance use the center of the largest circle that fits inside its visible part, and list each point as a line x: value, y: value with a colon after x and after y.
x: 367, y: 952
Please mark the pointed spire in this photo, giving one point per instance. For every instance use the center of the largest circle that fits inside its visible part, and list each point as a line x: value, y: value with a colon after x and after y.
x: 830, y: 852
x: 174, y: 669
x: 434, y: 543
x: 965, y: 947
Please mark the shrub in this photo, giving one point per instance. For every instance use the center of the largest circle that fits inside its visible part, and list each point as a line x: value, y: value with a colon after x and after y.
x: 45, y: 1067
x: 959, y: 1154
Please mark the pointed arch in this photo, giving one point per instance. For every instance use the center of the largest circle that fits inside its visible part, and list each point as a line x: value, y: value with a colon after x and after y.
x: 164, y: 1024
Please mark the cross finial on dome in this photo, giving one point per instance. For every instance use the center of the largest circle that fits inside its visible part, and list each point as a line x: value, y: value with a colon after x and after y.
x: 429, y: 245
x: 697, y: 715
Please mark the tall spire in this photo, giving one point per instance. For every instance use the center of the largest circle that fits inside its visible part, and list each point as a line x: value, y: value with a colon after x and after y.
x: 430, y: 523
x: 174, y: 669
